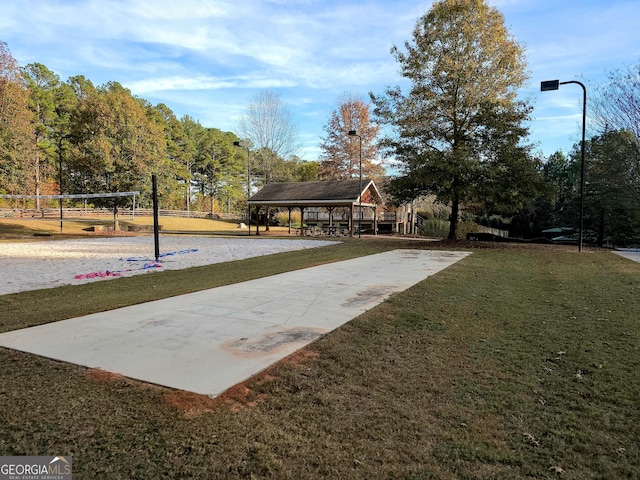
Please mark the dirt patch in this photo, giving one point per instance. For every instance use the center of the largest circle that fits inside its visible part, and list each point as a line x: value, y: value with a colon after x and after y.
x: 103, y: 376
x: 240, y: 396
x: 237, y: 398
x: 301, y: 358
x: 271, y: 343
x: 367, y: 296
x: 191, y: 404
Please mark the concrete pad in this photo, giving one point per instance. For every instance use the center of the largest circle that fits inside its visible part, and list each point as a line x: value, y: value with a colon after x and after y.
x: 629, y: 254
x: 208, y: 341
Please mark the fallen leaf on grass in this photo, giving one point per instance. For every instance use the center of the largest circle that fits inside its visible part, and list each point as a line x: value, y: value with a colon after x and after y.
x: 556, y: 469
x: 531, y: 440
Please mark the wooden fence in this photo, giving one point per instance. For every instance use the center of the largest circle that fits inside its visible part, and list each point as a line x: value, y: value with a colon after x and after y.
x: 33, y: 213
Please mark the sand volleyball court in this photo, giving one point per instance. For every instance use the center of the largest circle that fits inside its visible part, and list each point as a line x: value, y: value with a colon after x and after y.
x: 34, y: 265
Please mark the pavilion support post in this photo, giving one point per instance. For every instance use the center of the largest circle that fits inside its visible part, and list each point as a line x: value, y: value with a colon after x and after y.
x: 257, y: 220
x: 351, y: 220
x: 266, y: 221
x: 301, y: 220
x: 330, y: 209
x: 289, y: 208
x: 375, y: 219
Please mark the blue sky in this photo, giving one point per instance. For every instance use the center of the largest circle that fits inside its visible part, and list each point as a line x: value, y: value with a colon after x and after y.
x: 207, y: 58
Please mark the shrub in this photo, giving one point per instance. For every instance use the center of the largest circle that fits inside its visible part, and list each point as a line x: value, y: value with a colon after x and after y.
x: 282, y: 218
x: 440, y: 229
x: 466, y: 227
x: 434, y: 228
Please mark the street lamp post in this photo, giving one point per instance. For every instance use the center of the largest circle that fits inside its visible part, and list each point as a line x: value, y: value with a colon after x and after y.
x: 354, y: 133
x: 238, y: 144
x: 554, y: 85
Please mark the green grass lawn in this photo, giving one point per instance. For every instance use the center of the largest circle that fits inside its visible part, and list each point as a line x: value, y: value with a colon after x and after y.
x: 515, y: 362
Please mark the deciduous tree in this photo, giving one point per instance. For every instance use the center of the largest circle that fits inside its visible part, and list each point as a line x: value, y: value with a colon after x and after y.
x: 270, y: 128
x: 615, y: 105
x: 16, y: 128
x: 458, y: 130
x: 118, y: 141
x: 340, y: 157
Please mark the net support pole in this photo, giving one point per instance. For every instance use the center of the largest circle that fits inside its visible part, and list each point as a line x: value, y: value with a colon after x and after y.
x: 156, y: 228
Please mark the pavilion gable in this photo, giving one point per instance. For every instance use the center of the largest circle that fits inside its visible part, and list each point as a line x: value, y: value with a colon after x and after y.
x: 315, y: 194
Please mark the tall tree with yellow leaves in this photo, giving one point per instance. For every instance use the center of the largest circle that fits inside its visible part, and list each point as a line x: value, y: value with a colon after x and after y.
x: 16, y: 126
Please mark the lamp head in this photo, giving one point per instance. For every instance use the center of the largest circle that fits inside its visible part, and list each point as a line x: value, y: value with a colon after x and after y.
x: 549, y: 85
x: 352, y: 132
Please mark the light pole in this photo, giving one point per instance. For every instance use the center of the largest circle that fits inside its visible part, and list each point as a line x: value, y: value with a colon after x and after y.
x: 354, y: 133
x: 554, y: 85
x: 238, y: 144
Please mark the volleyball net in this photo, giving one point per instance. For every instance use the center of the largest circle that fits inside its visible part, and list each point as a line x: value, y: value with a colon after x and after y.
x: 76, y: 196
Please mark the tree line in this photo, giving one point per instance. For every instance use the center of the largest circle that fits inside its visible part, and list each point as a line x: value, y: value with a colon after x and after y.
x: 73, y: 137
x: 611, y: 192
x: 459, y: 132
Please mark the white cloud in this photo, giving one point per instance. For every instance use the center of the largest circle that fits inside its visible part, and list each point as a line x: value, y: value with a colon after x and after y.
x: 174, y: 11
x: 206, y: 58
x: 142, y: 87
